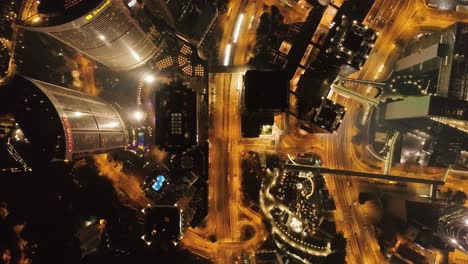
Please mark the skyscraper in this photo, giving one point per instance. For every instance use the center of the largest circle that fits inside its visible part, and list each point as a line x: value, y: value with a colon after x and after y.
x: 189, y: 20
x: 453, y: 225
x: 61, y: 123
x: 459, y: 72
x: 442, y: 54
x: 449, y: 222
x: 424, y: 110
x: 176, y: 115
x: 102, y: 29
x: 434, y: 107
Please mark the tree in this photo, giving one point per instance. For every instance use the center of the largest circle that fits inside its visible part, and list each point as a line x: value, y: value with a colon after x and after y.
x: 363, y: 197
x: 272, y: 161
x: 458, y: 197
x: 338, y: 246
x: 276, y: 17
x: 266, y: 39
x: 222, y: 6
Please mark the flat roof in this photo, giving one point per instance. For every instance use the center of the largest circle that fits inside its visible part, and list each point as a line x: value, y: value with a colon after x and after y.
x: 163, y: 222
x: 176, y: 117
x: 266, y: 91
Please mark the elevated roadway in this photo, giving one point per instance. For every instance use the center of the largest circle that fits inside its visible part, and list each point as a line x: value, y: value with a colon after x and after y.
x: 320, y: 170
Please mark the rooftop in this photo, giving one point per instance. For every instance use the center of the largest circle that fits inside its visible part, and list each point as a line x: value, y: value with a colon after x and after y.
x: 329, y: 115
x: 176, y: 117
x: 266, y: 91
x: 162, y: 222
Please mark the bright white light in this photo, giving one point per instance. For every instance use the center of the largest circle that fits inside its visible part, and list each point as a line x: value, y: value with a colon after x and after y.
x: 296, y: 225
x: 227, y: 54
x: 237, y: 28
x: 110, y: 125
x: 132, y: 3
x: 466, y: 222
x: 138, y: 115
x: 148, y: 242
x: 101, y: 37
x: 299, y: 186
x: 135, y: 55
x: 381, y: 67
x: 454, y: 241
x: 251, y: 21
x: 239, y: 84
x: 78, y: 114
x: 149, y: 78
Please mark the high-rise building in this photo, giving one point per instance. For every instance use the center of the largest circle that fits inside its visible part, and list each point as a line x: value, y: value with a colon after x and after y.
x: 459, y: 73
x: 435, y: 128
x: 441, y: 54
x: 453, y: 225
x: 104, y: 30
x: 176, y: 115
x: 61, y: 123
x: 449, y: 222
x: 190, y: 20
x: 434, y: 107
x: 424, y: 110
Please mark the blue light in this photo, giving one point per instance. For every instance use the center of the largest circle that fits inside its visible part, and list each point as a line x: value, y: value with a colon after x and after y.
x: 159, y: 183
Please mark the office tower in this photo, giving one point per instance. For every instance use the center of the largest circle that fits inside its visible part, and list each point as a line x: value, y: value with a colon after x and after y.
x: 435, y: 128
x: 459, y: 73
x: 440, y: 55
x: 61, y: 123
x: 453, y: 226
x: 423, y: 111
x: 449, y: 222
x: 434, y: 107
x: 102, y: 29
x: 176, y: 115
x: 189, y: 20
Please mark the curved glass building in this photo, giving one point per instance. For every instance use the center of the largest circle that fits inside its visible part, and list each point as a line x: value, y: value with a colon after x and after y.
x: 62, y: 123
x: 453, y: 225
x: 104, y: 30
x: 449, y: 222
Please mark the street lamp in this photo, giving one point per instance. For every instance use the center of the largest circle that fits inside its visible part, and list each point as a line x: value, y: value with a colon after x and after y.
x: 149, y: 78
x: 36, y: 19
x: 138, y: 115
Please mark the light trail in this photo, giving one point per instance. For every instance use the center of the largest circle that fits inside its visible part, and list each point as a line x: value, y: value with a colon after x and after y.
x: 227, y: 54
x: 237, y: 28
x: 251, y: 22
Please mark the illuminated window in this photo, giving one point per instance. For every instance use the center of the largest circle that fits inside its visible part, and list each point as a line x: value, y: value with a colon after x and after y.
x: 70, y: 3
x: 164, y: 63
x: 182, y: 60
x: 199, y: 70
x: 188, y: 70
x: 176, y: 123
x: 285, y: 47
x: 186, y: 50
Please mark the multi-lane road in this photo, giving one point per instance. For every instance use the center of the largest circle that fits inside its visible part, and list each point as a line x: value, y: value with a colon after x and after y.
x: 341, y: 153
x: 397, y: 22
x: 220, y: 239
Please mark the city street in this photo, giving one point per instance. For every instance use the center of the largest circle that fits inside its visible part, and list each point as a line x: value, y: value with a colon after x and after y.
x: 337, y: 151
x: 219, y: 239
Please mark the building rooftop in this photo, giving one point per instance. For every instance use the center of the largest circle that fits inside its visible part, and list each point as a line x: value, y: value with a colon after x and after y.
x: 266, y: 91
x: 252, y: 123
x: 162, y: 222
x: 350, y: 42
x: 328, y: 115
x: 55, y: 12
x: 176, y: 117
